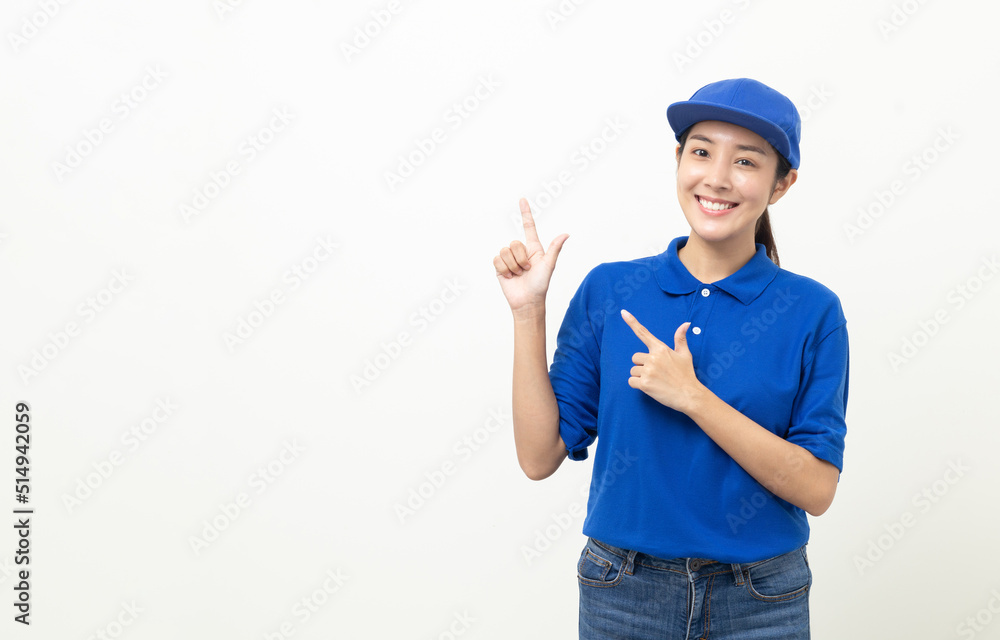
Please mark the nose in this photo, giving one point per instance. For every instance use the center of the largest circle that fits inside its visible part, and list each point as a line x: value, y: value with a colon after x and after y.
x: 717, y: 175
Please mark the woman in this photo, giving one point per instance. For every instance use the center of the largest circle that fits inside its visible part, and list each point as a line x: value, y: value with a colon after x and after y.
x: 714, y: 382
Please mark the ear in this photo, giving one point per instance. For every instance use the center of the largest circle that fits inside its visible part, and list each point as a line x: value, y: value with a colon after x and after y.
x: 677, y: 152
x: 783, y: 185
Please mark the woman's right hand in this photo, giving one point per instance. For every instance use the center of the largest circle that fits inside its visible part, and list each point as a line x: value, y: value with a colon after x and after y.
x: 524, y: 268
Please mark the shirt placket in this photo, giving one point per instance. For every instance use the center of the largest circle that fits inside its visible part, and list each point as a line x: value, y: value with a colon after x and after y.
x: 701, y: 312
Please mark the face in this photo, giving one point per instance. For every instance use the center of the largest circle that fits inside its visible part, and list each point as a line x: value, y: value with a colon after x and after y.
x: 725, y: 179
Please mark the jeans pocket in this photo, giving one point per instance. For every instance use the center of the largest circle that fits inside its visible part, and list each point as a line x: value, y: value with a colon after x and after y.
x: 599, y: 567
x: 779, y: 579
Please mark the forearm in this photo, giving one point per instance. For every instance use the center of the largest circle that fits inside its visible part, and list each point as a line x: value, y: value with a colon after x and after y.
x: 540, y: 449
x: 783, y: 468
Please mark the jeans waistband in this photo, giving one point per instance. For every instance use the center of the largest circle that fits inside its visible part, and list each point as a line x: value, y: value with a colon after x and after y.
x: 683, y: 565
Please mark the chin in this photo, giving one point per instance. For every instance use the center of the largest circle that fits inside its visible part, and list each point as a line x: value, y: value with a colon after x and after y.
x: 719, y: 233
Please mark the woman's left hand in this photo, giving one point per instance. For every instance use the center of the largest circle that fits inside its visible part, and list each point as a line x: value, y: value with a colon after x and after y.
x: 664, y: 374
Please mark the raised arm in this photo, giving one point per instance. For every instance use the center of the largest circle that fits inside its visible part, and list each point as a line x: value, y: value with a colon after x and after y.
x: 524, y: 270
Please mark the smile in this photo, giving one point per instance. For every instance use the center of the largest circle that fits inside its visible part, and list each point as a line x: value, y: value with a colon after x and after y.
x: 713, y: 206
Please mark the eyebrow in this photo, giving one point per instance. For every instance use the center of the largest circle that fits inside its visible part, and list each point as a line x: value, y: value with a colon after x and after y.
x: 742, y: 147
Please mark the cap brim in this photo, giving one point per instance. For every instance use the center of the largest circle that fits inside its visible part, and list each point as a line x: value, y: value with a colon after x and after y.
x: 682, y: 115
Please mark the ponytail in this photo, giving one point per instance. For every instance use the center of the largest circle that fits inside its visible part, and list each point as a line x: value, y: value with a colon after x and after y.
x: 762, y: 235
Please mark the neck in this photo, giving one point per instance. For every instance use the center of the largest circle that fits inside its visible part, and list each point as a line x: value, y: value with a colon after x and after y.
x: 712, y: 261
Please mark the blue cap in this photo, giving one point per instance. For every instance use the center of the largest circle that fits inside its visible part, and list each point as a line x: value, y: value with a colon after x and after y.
x: 747, y: 103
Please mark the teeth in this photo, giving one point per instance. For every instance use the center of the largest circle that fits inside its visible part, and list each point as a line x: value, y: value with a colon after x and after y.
x: 715, y: 206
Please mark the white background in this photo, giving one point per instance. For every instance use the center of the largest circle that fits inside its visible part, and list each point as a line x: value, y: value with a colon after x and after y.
x: 871, y: 99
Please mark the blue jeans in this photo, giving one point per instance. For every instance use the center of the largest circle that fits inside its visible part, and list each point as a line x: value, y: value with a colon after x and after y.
x: 633, y: 596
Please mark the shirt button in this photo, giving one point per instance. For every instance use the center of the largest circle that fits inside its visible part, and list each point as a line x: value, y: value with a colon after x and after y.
x: 704, y: 293
x: 696, y: 330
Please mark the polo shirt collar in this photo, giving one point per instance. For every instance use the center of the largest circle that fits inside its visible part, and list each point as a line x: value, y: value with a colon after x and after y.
x: 745, y: 285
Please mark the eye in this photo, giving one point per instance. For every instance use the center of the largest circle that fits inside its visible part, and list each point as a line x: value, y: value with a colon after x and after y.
x: 699, y: 152
x: 748, y: 162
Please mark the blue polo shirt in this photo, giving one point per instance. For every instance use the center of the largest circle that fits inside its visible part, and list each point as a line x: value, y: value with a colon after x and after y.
x: 770, y: 343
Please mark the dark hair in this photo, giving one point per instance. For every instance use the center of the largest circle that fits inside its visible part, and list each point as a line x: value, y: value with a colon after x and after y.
x: 762, y: 233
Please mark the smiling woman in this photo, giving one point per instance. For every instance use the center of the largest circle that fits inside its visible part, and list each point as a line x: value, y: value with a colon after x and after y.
x: 749, y: 153
x: 728, y: 376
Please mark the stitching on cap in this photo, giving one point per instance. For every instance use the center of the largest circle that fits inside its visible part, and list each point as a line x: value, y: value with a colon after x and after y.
x: 739, y: 88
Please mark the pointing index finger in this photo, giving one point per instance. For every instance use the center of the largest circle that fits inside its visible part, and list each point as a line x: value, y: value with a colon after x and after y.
x: 640, y: 331
x: 530, y: 233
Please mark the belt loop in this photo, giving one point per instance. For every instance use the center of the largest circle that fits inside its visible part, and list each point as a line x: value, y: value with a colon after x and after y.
x: 629, y: 562
x: 738, y: 574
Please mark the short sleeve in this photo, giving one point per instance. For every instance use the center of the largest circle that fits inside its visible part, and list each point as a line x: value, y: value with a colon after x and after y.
x: 575, y: 374
x: 819, y: 413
